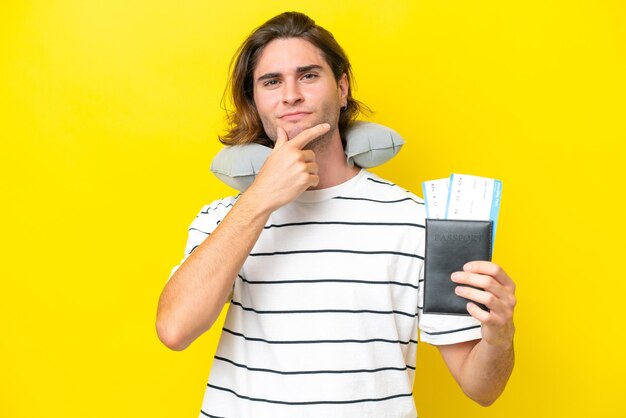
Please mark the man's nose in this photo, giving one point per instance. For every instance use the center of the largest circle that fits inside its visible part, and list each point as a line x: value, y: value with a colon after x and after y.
x: 291, y: 92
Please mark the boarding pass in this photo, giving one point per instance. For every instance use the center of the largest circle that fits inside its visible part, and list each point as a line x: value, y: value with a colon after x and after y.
x: 463, y: 196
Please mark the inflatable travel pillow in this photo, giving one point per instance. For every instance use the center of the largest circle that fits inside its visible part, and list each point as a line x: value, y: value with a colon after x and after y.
x: 367, y: 145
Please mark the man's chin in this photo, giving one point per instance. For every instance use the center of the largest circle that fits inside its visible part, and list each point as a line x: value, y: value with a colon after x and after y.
x: 295, y: 130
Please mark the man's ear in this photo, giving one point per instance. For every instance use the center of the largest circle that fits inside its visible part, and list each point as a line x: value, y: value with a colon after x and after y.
x: 344, y: 87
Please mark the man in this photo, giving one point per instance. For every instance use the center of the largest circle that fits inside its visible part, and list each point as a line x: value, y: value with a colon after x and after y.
x: 321, y: 262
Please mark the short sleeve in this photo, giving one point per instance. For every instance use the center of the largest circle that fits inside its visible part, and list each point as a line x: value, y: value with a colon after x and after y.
x: 204, y: 224
x: 445, y: 329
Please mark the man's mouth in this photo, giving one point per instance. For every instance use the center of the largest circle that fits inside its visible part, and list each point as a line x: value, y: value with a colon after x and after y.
x: 294, y: 115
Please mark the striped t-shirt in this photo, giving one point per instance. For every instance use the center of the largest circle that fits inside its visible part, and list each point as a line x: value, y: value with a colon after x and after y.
x: 324, y: 315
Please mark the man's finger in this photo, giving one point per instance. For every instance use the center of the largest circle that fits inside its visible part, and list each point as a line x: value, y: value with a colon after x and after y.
x: 481, y: 281
x: 477, y: 312
x: 309, y: 135
x: 281, y: 137
x: 309, y: 156
x: 312, y: 168
x: 490, y: 269
x: 490, y: 300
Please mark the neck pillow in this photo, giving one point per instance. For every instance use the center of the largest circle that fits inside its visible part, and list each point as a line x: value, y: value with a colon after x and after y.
x: 367, y: 145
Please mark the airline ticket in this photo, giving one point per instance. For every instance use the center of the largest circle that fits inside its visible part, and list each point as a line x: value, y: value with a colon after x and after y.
x: 436, y: 198
x: 463, y: 196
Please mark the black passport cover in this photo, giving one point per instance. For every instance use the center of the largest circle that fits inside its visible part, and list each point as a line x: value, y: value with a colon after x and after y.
x: 451, y: 243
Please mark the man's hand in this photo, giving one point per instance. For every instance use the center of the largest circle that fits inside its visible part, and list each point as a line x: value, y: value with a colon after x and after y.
x: 498, y: 295
x: 289, y: 170
x: 483, y: 367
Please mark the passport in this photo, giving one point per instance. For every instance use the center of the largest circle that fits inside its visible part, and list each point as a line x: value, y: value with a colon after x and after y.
x: 450, y: 243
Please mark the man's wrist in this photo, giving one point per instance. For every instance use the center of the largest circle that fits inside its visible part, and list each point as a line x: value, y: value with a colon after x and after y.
x: 255, y: 204
x: 502, y: 345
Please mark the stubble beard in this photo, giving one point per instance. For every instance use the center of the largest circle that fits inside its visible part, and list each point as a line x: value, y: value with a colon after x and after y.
x: 329, y: 114
x: 319, y: 144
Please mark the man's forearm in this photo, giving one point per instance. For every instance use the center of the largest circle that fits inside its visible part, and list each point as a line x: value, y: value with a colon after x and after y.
x: 195, y: 295
x: 482, y: 367
x: 485, y: 372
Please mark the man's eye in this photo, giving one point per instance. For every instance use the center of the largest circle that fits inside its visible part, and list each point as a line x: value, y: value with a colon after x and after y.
x: 270, y: 83
x: 309, y: 76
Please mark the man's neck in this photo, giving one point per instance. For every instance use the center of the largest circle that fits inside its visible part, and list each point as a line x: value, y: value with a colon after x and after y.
x: 333, y: 165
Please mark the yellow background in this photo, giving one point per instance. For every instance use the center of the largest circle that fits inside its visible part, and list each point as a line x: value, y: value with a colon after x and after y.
x: 109, y: 116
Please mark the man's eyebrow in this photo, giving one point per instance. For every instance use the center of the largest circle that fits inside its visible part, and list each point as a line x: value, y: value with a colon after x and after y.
x: 307, y: 68
x: 299, y: 70
x: 268, y: 76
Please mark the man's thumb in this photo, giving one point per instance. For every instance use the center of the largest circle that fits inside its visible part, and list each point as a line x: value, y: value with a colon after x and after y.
x: 281, y: 137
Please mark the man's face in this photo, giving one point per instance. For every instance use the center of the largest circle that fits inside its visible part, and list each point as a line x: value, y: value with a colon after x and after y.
x: 295, y: 89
